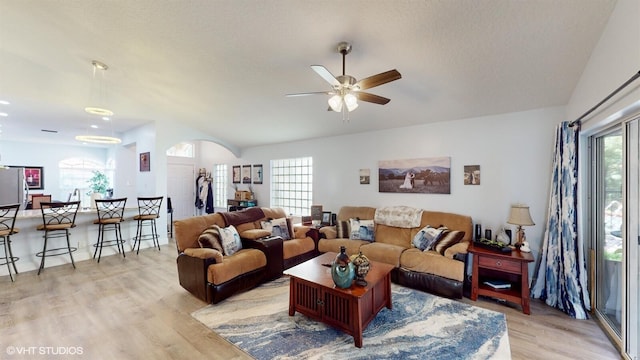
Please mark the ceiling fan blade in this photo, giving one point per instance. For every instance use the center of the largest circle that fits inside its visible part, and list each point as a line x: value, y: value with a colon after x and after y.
x: 379, y: 79
x: 326, y: 75
x: 311, y: 93
x: 368, y: 97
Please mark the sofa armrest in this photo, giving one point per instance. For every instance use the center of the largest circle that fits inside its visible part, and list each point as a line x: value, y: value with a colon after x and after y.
x: 272, y: 249
x: 459, y: 248
x: 301, y: 231
x: 329, y: 232
x: 192, y: 274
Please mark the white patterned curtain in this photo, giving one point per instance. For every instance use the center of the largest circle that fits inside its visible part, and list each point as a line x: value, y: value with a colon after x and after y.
x: 561, y: 277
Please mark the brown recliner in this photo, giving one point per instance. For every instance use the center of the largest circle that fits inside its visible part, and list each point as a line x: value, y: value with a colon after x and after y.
x: 205, y: 272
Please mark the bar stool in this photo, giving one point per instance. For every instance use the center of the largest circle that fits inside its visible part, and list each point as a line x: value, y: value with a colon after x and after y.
x: 148, y: 212
x: 8, y: 215
x: 110, y: 215
x: 57, y: 219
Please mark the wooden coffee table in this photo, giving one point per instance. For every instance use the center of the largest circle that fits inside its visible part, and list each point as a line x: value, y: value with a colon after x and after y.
x: 313, y: 293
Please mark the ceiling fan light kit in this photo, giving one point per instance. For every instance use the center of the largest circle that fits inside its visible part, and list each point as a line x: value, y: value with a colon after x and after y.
x: 346, y: 90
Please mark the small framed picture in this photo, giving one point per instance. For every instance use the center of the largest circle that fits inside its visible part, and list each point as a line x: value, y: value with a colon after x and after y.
x: 472, y: 174
x: 145, y: 161
x: 246, y: 174
x: 235, y: 174
x: 257, y: 174
x: 326, y: 218
x: 34, y: 176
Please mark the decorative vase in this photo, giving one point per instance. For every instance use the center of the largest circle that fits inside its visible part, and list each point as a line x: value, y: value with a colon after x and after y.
x: 362, y: 265
x: 342, y: 270
x: 95, y: 196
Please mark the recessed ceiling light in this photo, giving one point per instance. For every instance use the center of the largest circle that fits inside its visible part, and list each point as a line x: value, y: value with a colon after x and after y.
x: 4, y: 102
x: 105, y: 118
x: 94, y: 126
x: 4, y: 114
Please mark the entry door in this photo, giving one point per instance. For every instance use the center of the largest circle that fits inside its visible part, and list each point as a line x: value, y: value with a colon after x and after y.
x: 181, y: 188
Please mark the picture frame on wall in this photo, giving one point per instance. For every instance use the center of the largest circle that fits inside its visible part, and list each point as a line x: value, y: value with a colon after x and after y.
x: 246, y: 174
x: 424, y: 175
x: 145, y: 161
x: 34, y: 176
x: 235, y: 174
x: 257, y: 174
x: 472, y: 174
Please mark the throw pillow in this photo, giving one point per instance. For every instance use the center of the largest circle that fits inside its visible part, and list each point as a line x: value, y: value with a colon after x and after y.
x: 361, y: 229
x: 277, y: 227
x: 230, y: 240
x: 210, y: 239
x: 342, y: 229
x: 426, y: 237
x: 448, y: 238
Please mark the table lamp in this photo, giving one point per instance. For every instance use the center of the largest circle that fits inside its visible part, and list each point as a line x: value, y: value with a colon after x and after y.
x: 520, y: 216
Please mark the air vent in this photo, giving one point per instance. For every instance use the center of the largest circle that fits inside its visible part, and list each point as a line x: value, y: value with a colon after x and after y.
x: 50, y: 131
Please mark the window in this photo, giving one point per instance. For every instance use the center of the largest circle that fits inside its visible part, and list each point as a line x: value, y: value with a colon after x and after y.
x: 292, y: 185
x: 183, y: 149
x: 220, y: 184
x: 74, y: 176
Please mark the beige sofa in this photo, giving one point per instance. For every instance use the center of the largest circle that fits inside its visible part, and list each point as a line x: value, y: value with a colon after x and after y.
x: 440, y: 272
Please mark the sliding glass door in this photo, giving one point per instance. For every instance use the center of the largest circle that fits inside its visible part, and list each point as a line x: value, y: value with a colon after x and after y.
x: 608, y: 228
x: 615, y: 230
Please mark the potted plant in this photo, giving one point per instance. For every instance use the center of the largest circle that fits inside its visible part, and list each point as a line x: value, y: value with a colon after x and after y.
x: 98, y: 184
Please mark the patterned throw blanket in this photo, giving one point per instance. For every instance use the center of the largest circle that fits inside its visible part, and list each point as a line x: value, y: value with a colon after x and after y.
x: 398, y: 216
x: 243, y: 216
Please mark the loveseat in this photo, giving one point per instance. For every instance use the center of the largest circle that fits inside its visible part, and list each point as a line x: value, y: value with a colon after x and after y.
x: 212, y: 275
x: 439, y: 269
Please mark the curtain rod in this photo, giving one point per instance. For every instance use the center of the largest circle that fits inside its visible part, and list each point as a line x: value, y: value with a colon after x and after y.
x: 632, y: 79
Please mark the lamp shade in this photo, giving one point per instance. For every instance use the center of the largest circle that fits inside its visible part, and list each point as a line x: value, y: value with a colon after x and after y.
x: 520, y: 216
x: 335, y: 102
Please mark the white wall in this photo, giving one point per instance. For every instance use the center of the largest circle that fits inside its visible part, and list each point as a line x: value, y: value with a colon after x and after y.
x: 614, y: 60
x: 48, y: 156
x: 514, y: 152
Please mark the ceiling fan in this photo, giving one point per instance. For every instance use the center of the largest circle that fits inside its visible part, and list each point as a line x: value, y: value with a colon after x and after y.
x: 346, y: 90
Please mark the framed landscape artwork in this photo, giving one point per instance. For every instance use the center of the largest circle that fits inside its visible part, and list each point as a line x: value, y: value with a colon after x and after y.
x: 426, y: 175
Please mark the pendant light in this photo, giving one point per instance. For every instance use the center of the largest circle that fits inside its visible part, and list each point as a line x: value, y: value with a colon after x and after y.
x: 98, y: 96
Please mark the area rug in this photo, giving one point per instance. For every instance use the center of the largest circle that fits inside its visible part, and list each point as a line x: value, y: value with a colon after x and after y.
x: 420, y: 326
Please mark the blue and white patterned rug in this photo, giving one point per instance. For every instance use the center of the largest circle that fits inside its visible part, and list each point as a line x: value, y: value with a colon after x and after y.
x: 420, y: 326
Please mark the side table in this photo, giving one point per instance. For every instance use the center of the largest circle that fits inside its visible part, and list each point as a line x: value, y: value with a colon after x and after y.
x: 512, y: 267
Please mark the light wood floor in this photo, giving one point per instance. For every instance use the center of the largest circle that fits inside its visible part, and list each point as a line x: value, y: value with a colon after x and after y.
x: 134, y: 308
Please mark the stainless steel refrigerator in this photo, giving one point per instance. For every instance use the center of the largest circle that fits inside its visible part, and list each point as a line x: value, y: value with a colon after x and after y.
x: 13, y: 188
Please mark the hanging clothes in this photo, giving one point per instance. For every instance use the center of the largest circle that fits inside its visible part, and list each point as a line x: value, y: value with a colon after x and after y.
x: 209, y: 208
x: 199, y: 184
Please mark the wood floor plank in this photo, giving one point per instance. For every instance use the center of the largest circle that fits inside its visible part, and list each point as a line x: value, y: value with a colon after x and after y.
x: 134, y: 308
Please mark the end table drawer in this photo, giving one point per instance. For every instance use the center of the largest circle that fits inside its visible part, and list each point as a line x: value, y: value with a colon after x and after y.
x: 499, y: 264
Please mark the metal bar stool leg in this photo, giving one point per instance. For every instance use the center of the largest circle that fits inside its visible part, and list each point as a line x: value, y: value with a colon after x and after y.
x: 8, y: 240
x: 6, y: 254
x: 69, y: 247
x: 44, y: 251
x: 95, y: 251
x: 156, y: 239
